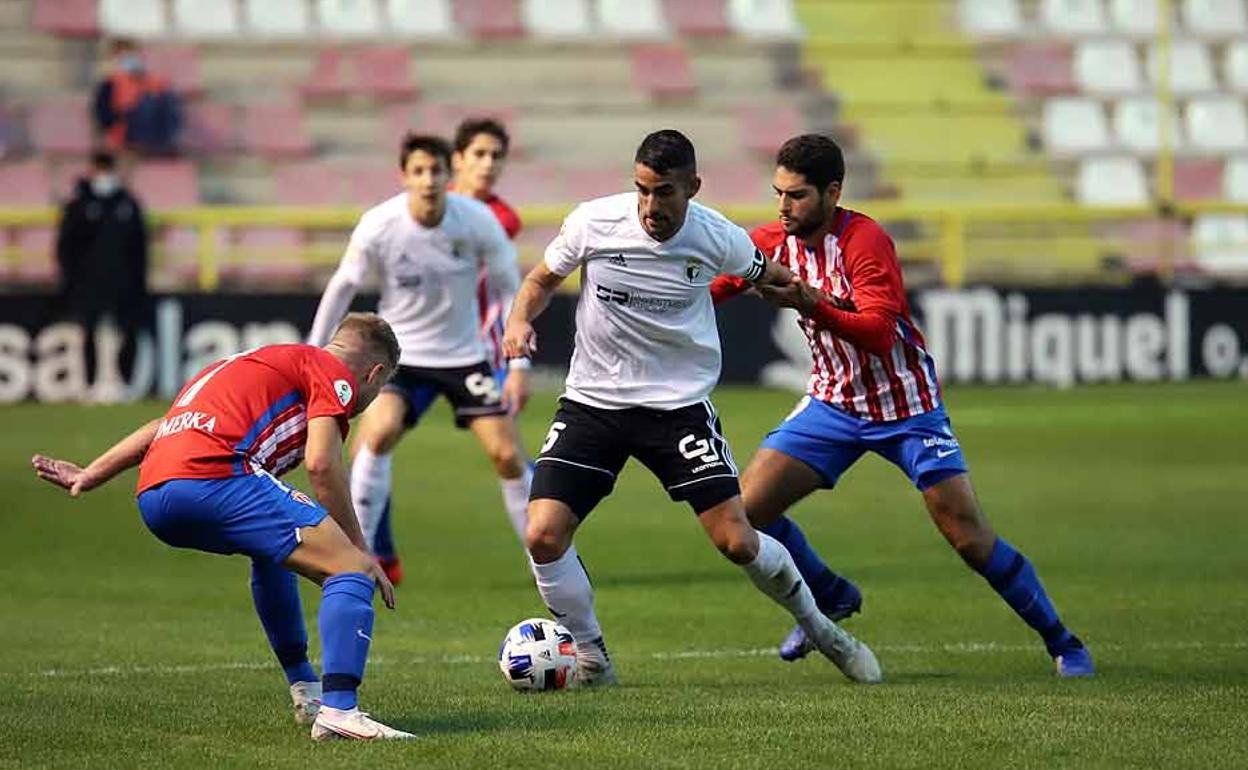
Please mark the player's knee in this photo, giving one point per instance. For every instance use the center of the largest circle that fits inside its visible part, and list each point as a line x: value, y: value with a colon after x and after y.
x: 964, y: 526
x: 350, y: 560
x: 737, y: 544
x: 544, y: 543
x: 505, y: 456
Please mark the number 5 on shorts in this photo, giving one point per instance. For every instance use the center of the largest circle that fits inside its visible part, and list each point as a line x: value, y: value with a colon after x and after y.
x: 552, y: 436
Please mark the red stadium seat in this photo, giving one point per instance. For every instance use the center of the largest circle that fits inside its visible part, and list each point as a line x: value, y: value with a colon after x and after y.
x: 61, y: 127
x: 489, y: 18
x: 210, y: 129
x: 764, y: 128
x: 25, y: 184
x: 36, y: 261
x: 308, y: 184
x: 371, y: 184
x: 168, y: 184
x: 1198, y: 179
x: 328, y: 79
x: 532, y: 183
x: 432, y: 117
x: 1041, y: 70
x: 69, y: 18
x: 179, y: 65
x: 385, y: 72
x: 697, y: 18
x: 276, y: 130
x: 269, y: 255
x: 663, y: 72
x: 733, y: 183
x: 586, y: 183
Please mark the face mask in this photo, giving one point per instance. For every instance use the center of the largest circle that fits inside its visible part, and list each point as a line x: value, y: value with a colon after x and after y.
x: 132, y: 63
x: 104, y: 185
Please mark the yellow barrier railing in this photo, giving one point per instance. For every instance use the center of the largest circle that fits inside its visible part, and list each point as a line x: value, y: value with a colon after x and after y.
x: 1053, y: 243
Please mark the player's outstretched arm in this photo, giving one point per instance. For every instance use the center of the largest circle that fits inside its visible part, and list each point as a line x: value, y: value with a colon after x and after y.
x: 126, y: 453
x: 322, y: 456
x: 519, y: 339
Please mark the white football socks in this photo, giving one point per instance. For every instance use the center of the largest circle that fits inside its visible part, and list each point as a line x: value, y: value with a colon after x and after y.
x: 565, y: 589
x: 370, y: 488
x: 775, y: 574
x: 516, y: 500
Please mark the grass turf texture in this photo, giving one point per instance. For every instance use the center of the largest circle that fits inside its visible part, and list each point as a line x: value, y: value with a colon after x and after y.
x: 120, y: 652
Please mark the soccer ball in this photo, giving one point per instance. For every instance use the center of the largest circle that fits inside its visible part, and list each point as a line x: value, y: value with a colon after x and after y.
x: 538, y: 654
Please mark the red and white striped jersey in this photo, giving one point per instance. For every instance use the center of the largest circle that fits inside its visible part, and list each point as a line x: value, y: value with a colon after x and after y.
x: 249, y: 411
x: 492, y: 310
x: 856, y: 266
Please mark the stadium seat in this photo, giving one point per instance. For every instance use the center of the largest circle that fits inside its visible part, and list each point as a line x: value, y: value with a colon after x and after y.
x: 1073, y: 126
x: 179, y: 65
x: 1073, y: 17
x: 765, y: 127
x: 764, y: 18
x: 489, y: 19
x: 372, y: 183
x: 533, y: 182
x: 1191, y: 67
x: 990, y: 18
x: 1114, y: 181
x: 663, y: 72
x: 1107, y: 67
x: 61, y: 127
x: 1216, y: 123
x: 35, y: 247
x: 199, y: 19
x: 275, y: 130
x: 421, y: 18
x: 557, y: 18
x: 1235, y: 67
x: 384, y: 72
x: 210, y: 129
x: 1041, y: 69
x: 67, y: 18
x: 328, y: 78
x: 1214, y: 18
x: 631, y: 18
x: 735, y: 183
x: 437, y: 118
x: 1137, y: 18
x: 268, y: 255
x: 584, y: 183
x: 25, y: 184
x: 348, y: 18
x: 308, y: 184
x: 132, y: 18
x: 1235, y: 180
x: 277, y: 18
x: 1221, y: 242
x: 166, y: 184
x: 1137, y: 125
x: 697, y: 18
x: 1198, y: 179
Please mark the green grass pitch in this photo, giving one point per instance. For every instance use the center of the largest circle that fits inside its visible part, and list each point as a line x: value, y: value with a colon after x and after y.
x: 119, y: 652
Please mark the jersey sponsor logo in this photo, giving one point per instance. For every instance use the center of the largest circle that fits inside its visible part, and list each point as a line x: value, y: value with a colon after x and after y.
x: 186, y: 421
x: 943, y: 446
x: 342, y: 389
x: 618, y: 259
x: 483, y: 386
x: 655, y: 305
x: 693, y: 448
x: 693, y: 270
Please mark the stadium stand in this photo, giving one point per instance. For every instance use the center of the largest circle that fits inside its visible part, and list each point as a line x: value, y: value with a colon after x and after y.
x: 133, y: 18
x: 66, y: 18
x: 421, y: 18
x: 348, y: 18
x: 195, y: 19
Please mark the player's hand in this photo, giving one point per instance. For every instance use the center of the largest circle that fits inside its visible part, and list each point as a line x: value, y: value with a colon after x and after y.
x: 796, y: 294
x: 777, y: 274
x: 519, y: 340
x: 63, y: 474
x: 383, y: 584
x: 515, y: 391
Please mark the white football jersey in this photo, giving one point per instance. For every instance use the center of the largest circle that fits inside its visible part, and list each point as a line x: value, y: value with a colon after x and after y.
x: 429, y: 276
x: 645, y: 323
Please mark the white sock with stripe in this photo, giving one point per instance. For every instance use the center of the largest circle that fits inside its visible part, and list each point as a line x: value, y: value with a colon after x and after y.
x: 566, y: 591
x: 775, y: 574
x: 370, y: 488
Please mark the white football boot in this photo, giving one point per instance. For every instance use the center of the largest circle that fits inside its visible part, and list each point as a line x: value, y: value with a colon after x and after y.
x: 353, y: 725
x: 593, y: 665
x: 307, y: 699
x: 852, y: 657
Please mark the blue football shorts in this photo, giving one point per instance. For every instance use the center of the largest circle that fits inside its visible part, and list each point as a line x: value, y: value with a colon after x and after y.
x: 256, y: 515
x: 830, y: 440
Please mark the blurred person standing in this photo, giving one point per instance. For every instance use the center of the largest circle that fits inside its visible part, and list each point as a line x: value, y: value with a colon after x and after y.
x: 134, y: 109
x: 101, y: 249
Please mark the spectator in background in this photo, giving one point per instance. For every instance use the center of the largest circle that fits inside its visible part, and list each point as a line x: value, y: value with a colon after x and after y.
x: 101, y: 247
x: 134, y: 109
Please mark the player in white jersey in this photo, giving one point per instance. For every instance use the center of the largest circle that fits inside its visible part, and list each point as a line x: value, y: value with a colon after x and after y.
x: 430, y: 247
x: 645, y: 361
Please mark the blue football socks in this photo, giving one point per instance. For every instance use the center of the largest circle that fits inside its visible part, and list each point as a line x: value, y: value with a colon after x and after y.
x: 275, y: 590
x: 836, y: 597
x: 1011, y: 575
x: 346, y: 622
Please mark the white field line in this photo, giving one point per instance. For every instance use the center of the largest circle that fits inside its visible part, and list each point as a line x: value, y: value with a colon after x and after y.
x: 959, y: 648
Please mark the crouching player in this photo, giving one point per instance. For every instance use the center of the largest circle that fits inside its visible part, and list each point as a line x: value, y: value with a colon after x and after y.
x: 208, y: 480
